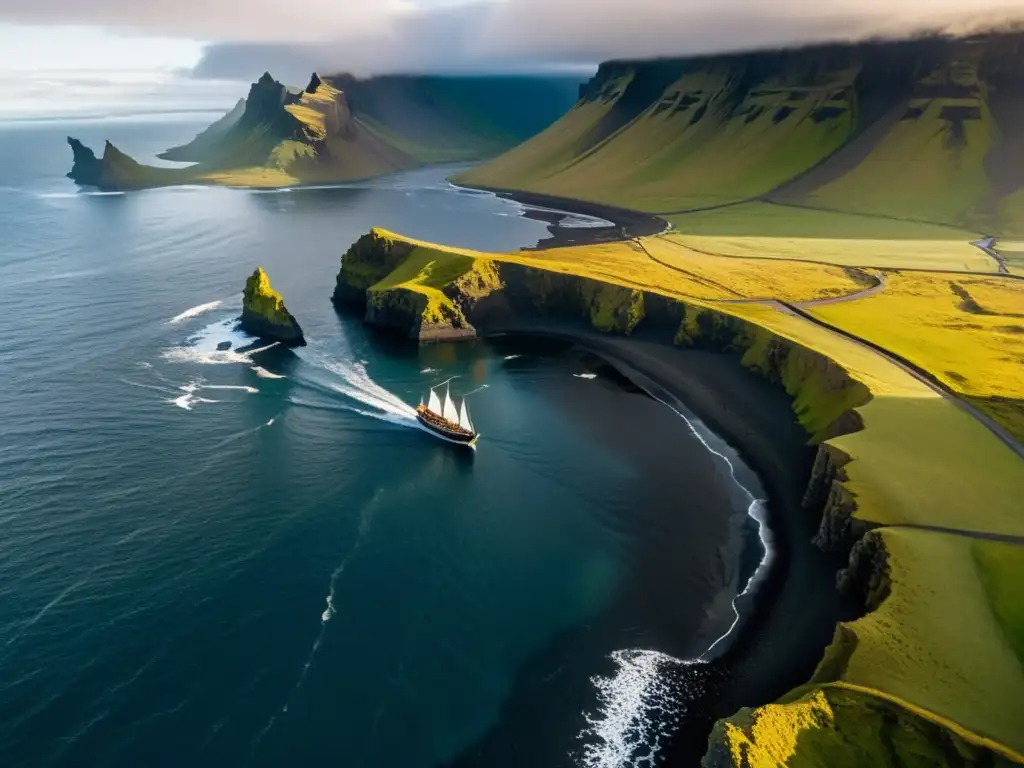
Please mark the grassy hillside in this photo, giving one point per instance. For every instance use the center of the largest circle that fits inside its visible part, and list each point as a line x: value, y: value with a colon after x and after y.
x: 967, y: 331
x: 933, y: 672
x: 928, y: 131
x: 342, y: 128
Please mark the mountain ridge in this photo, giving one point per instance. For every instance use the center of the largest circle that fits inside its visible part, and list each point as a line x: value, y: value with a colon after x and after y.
x: 341, y: 128
x: 934, y: 123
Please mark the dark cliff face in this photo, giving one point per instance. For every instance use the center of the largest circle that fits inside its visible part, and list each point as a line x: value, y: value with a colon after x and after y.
x: 86, y: 169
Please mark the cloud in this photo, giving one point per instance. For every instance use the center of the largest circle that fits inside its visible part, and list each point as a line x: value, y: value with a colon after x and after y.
x: 293, y: 38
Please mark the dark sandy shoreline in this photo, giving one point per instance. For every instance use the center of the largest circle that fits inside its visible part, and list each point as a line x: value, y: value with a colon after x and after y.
x: 788, y: 621
x: 627, y: 224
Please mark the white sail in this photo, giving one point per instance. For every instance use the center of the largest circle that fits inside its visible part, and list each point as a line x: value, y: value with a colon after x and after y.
x: 451, y: 413
x: 464, y: 421
x: 434, y: 403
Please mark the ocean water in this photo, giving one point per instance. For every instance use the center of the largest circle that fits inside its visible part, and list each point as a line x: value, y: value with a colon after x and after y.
x: 221, y: 558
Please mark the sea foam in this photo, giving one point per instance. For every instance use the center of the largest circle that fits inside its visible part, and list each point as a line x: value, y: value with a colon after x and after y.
x: 194, y: 312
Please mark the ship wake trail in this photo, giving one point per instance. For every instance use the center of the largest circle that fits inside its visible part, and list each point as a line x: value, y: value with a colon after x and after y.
x: 365, y: 521
x: 351, y: 380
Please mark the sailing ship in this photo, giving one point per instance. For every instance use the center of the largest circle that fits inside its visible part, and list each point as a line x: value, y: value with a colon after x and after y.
x: 447, y: 421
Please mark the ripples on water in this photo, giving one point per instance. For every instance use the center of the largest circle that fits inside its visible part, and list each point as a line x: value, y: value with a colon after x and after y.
x: 239, y: 556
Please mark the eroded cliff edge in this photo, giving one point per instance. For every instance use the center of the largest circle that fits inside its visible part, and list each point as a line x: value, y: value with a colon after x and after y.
x: 427, y: 292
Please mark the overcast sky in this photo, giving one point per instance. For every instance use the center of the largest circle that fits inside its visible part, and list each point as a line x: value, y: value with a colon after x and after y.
x: 203, y: 52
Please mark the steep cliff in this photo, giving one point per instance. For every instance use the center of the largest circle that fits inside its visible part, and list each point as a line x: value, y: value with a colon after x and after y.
x: 898, y: 686
x: 265, y: 315
x: 924, y: 130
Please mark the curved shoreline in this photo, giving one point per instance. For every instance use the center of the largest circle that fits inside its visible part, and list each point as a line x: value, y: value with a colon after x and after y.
x: 627, y: 223
x: 787, y: 613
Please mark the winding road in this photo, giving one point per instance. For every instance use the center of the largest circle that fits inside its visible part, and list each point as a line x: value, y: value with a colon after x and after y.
x: 988, y: 246
x: 799, y: 309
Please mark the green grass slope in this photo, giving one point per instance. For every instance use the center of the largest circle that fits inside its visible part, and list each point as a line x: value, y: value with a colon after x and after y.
x: 923, y: 131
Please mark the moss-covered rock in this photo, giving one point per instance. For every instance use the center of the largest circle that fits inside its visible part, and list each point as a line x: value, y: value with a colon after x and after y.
x: 264, y: 314
x: 370, y: 259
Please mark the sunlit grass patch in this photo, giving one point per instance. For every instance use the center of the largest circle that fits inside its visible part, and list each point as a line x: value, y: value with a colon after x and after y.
x: 966, y: 331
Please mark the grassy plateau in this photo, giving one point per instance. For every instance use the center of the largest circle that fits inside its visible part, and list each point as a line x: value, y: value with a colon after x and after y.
x: 824, y: 206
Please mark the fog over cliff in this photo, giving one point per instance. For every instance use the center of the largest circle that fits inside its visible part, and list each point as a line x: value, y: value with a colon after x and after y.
x: 248, y: 36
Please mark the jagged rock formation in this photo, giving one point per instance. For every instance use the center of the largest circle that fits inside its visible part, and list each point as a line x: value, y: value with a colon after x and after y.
x: 343, y: 128
x: 86, y: 168
x: 115, y: 170
x: 264, y: 313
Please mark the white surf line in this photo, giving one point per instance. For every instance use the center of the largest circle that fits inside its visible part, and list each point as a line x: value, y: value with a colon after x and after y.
x: 194, y: 312
x: 263, y: 373
x: 754, y: 511
x: 637, y: 703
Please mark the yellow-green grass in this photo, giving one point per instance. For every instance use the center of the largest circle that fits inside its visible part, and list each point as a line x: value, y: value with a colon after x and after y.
x: 260, y: 298
x: 768, y: 231
x: 1001, y: 566
x: 966, y: 331
x: 546, y: 154
x: 945, y: 643
x: 666, y: 160
x: 918, y: 170
x: 1013, y: 252
x: 773, y: 220
x: 937, y: 640
x: 675, y: 271
x: 427, y: 271
x: 313, y: 109
x: 920, y: 460
x: 846, y: 725
x: 695, y: 275
x: 255, y: 177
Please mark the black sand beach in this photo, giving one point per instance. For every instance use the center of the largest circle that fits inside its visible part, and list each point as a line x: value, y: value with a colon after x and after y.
x: 787, y: 623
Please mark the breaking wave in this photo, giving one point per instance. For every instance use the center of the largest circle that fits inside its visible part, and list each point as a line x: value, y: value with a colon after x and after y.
x: 194, y: 312
x: 639, y: 706
x: 263, y: 373
x: 587, y: 376
x: 191, y: 398
x: 201, y: 347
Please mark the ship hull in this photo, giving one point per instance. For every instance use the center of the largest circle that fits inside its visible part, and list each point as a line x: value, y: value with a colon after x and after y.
x: 451, y: 436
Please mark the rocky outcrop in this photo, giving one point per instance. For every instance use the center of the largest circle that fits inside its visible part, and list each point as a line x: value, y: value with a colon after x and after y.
x: 370, y: 259
x: 117, y: 171
x: 867, y: 575
x: 264, y: 314
x: 86, y: 168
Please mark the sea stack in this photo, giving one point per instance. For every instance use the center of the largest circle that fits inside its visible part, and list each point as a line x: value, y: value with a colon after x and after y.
x: 264, y: 313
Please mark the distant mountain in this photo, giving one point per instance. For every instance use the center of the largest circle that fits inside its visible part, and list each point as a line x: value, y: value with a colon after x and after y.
x: 342, y: 128
x: 929, y: 129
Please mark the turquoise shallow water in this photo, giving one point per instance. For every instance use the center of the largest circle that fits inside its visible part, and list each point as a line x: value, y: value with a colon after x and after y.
x: 222, y: 559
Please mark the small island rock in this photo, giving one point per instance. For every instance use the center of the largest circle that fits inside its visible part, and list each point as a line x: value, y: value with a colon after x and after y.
x: 264, y: 314
x: 224, y: 346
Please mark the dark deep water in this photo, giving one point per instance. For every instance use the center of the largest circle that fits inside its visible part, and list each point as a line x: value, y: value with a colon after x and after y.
x: 210, y: 559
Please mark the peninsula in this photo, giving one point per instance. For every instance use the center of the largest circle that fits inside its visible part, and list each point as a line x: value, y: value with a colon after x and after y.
x: 846, y: 220
x: 341, y: 128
